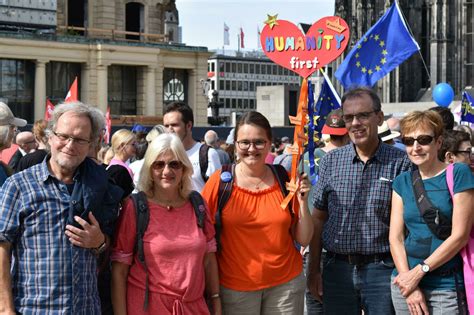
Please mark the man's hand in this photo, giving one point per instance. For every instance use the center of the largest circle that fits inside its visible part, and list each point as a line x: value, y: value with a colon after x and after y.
x: 90, y: 236
x: 315, y: 285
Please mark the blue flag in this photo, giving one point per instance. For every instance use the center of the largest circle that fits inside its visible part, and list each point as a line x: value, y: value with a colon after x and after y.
x: 467, y: 111
x: 386, y: 45
x: 326, y: 103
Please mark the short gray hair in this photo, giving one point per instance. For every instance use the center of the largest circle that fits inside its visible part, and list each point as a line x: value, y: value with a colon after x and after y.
x: 211, y: 138
x: 95, y: 116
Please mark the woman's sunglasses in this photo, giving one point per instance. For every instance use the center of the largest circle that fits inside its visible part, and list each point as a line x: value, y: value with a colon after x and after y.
x: 422, y: 140
x: 174, y: 165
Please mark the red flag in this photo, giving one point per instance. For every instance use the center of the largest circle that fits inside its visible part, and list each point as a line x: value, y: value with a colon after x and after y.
x: 242, y: 38
x: 72, y: 95
x: 108, y: 126
x: 48, y: 113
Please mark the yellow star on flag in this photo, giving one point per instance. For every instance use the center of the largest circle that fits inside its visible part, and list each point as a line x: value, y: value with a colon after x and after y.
x: 358, y: 64
x: 384, y: 52
x: 383, y: 61
x: 364, y: 69
x: 272, y: 20
x: 382, y: 43
x: 357, y: 55
x: 376, y: 37
x: 377, y: 67
x: 370, y: 71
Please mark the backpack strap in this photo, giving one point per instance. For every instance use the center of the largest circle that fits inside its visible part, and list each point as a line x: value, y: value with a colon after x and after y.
x: 282, y: 177
x: 421, y: 197
x: 223, y: 195
x: 199, y: 208
x: 142, y: 216
x: 204, y: 160
x: 450, y: 179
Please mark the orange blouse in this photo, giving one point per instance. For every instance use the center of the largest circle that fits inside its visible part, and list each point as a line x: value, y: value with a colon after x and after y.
x: 257, y: 249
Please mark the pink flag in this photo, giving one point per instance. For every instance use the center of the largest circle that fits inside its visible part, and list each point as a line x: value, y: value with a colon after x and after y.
x: 108, y: 126
x: 72, y: 95
x: 48, y: 113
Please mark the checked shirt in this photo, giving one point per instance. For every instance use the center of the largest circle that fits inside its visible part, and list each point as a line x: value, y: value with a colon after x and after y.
x: 50, y: 275
x: 357, y: 197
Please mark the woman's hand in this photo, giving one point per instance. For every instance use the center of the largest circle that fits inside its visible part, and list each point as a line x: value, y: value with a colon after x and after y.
x: 303, y: 190
x: 416, y: 303
x: 408, y: 281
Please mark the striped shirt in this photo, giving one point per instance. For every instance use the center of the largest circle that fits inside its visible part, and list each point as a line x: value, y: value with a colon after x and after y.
x: 357, y: 197
x: 49, y: 274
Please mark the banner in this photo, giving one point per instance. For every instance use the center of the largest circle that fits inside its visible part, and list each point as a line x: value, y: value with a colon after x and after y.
x: 72, y: 95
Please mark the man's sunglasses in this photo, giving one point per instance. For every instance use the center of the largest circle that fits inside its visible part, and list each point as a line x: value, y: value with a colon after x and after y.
x: 174, y: 165
x: 422, y: 140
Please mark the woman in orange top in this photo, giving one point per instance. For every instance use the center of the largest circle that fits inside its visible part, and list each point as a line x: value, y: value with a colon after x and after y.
x: 260, y: 269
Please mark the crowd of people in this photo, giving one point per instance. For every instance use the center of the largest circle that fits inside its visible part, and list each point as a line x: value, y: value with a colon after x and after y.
x: 161, y: 223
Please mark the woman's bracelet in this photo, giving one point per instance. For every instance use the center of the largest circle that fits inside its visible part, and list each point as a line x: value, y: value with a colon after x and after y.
x: 215, y: 296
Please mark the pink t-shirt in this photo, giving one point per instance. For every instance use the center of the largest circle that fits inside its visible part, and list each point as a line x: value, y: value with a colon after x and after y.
x: 174, y: 249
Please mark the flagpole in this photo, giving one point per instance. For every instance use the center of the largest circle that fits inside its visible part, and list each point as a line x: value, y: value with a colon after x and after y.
x: 411, y: 33
x: 330, y: 85
x: 238, y: 42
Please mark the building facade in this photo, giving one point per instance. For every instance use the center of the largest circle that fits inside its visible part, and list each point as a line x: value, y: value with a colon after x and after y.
x: 237, y: 79
x: 125, y: 54
x: 443, y: 29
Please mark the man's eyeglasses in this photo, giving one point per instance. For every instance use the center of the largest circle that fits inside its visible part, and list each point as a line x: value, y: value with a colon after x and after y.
x: 245, y: 144
x: 467, y: 152
x: 66, y: 138
x: 362, y: 117
x: 422, y: 140
x: 160, y: 165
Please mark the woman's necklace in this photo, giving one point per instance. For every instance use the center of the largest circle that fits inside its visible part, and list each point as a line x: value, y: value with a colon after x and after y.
x: 256, y: 186
x: 169, y: 204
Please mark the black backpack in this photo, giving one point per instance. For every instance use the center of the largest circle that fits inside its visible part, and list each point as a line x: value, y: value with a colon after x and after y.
x: 225, y: 190
x: 143, y: 217
x: 204, y: 160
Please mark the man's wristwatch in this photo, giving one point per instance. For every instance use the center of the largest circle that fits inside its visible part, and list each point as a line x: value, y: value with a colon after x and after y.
x: 425, y: 267
x: 101, y: 247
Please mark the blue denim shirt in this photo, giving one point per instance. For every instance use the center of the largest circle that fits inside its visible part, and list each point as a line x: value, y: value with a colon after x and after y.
x: 49, y: 274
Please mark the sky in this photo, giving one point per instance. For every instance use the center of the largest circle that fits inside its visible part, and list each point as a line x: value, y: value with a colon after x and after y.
x: 202, y: 21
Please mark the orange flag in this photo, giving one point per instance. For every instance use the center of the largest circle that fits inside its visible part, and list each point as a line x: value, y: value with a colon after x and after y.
x: 72, y: 95
x: 48, y: 113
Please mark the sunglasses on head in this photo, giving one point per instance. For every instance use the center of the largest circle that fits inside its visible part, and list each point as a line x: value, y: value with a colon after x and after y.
x: 422, y: 140
x: 174, y: 165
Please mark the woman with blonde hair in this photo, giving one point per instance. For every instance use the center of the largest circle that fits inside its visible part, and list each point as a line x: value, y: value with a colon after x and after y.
x: 428, y: 277
x: 179, y: 255
x: 123, y: 144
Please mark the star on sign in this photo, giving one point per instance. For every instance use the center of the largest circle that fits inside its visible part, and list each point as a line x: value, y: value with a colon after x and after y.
x: 272, y: 20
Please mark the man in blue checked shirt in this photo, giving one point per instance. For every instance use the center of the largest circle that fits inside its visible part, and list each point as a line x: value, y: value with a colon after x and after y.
x: 55, y: 218
x: 352, y: 213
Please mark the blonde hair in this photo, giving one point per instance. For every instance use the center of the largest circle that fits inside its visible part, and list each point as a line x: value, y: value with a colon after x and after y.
x: 160, y: 145
x: 428, y: 119
x: 120, y: 138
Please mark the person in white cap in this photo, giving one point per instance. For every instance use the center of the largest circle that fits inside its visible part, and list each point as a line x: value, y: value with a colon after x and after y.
x: 388, y: 136
x: 8, y: 127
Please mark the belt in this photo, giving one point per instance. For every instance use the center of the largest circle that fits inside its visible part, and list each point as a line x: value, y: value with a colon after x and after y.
x: 356, y: 259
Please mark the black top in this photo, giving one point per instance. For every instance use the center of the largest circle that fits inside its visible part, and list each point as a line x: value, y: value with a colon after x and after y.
x: 31, y: 159
x: 122, y: 178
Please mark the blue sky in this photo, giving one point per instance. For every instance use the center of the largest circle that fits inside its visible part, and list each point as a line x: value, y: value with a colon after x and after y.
x: 202, y: 21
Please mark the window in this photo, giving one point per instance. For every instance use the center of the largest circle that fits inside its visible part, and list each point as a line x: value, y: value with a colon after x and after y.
x: 227, y: 103
x: 269, y: 69
x: 227, y: 67
x: 239, y: 85
x: 213, y: 67
x: 234, y: 68
x: 17, y: 81
x: 257, y: 68
x: 221, y: 66
x: 221, y: 85
x: 59, y: 77
x: 246, y: 103
x: 134, y: 21
x: 234, y: 103
x: 280, y: 70
x: 239, y: 68
x: 77, y: 14
x: 213, y: 85
x: 227, y: 85
x: 252, y: 104
x: 175, y: 85
x: 252, y: 86
x: 246, y: 86
x: 234, y: 86
x: 252, y: 68
x: 264, y: 69
x: 239, y: 103
x: 122, y: 89
x: 246, y: 68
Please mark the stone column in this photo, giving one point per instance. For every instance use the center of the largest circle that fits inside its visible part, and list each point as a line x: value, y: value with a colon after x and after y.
x: 159, y: 103
x: 150, y: 105
x: 40, y: 89
x: 85, y: 82
x: 102, y: 87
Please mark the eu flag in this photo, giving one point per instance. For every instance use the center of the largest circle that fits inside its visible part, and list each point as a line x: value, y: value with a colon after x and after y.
x: 467, y: 111
x: 326, y: 103
x: 386, y: 45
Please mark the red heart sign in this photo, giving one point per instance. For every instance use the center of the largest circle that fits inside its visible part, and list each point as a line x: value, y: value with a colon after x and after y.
x: 284, y: 43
